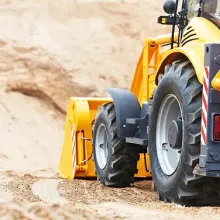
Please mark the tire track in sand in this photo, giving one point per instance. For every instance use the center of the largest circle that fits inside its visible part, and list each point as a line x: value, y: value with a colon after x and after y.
x: 46, y: 190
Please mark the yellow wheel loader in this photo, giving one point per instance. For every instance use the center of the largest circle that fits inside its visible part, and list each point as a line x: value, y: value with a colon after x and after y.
x: 167, y: 126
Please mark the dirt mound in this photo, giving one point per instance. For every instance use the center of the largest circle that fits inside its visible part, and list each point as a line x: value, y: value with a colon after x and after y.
x: 31, y: 131
x: 34, y: 72
x: 56, y: 49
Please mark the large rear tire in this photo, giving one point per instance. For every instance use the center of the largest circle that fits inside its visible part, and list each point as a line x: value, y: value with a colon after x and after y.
x: 115, y: 160
x: 176, y: 109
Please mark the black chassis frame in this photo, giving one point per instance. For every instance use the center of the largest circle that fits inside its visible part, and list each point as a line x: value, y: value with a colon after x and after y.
x: 209, y: 161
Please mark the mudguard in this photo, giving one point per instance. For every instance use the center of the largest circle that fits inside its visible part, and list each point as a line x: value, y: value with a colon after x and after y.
x: 126, y: 106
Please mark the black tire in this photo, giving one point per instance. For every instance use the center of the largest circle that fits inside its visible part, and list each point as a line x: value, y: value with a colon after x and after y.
x: 182, y: 187
x: 122, y: 157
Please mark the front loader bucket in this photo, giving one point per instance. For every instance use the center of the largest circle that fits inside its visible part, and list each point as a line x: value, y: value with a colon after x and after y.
x: 76, y: 153
x: 77, y: 148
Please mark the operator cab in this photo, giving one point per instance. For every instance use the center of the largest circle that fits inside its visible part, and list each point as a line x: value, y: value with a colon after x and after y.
x: 209, y: 9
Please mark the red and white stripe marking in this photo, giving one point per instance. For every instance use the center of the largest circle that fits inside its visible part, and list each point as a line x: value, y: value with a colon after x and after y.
x: 73, y: 150
x: 205, y: 105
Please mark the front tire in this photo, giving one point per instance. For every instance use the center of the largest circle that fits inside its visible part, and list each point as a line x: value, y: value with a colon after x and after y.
x: 115, y: 160
x: 173, y: 173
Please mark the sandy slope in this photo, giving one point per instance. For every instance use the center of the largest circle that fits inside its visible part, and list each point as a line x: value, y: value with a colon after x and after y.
x: 28, y: 134
x: 50, y: 50
x: 64, y: 48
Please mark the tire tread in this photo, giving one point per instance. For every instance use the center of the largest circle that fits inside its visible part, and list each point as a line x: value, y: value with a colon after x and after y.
x: 189, y: 189
x: 123, y: 159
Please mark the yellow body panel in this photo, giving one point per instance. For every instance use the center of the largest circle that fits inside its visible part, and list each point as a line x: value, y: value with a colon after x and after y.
x: 81, y: 111
x: 205, y: 33
x: 216, y: 81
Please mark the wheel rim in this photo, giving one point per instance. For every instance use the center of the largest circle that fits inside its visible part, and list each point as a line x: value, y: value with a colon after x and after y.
x: 101, y: 146
x: 168, y: 157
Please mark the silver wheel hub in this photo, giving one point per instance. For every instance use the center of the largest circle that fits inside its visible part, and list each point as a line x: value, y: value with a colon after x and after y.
x: 101, y: 146
x: 169, y: 134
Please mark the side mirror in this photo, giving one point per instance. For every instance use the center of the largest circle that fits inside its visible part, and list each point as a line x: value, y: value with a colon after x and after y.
x: 169, y: 6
